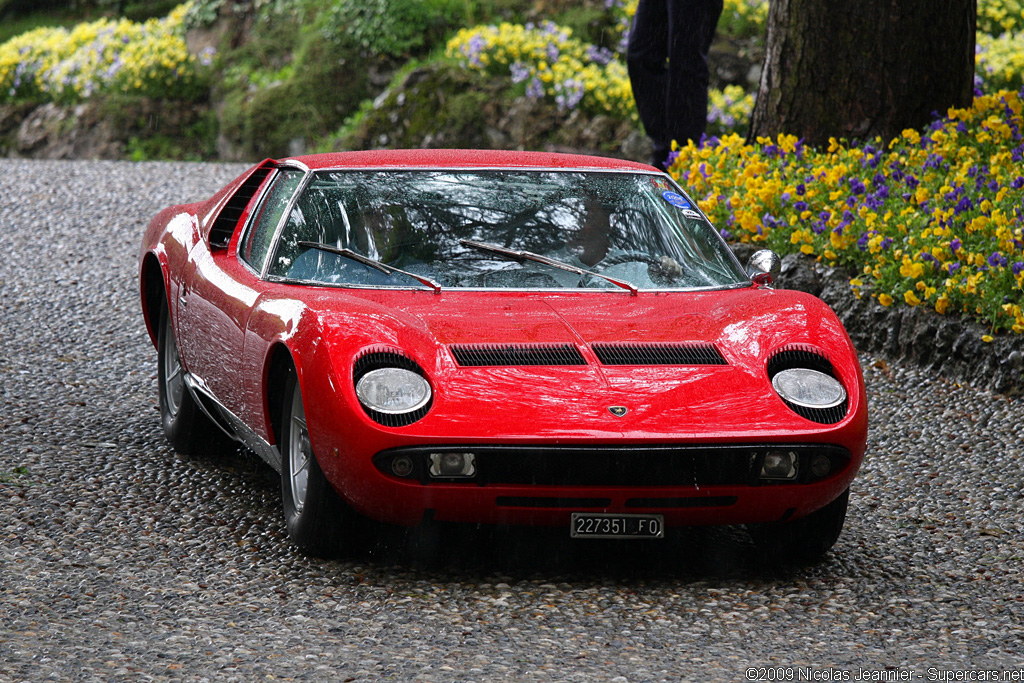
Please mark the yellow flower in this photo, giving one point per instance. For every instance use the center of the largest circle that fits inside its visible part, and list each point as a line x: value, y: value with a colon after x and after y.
x: 911, y: 298
x: 885, y: 299
x: 912, y: 136
x: 911, y: 270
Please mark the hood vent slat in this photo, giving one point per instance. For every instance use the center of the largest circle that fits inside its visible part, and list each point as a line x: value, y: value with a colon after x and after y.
x: 658, y: 354
x: 479, y: 355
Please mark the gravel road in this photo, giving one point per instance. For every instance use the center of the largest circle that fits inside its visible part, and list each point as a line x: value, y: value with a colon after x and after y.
x: 123, y: 561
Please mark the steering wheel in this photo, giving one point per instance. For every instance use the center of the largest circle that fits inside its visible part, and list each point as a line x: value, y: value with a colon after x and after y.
x: 661, y: 271
x: 626, y: 257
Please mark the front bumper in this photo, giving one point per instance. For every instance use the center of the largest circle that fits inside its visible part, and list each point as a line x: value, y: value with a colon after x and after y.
x: 544, y: 485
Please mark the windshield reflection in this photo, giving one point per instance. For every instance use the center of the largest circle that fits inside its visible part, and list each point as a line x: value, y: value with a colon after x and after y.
x: 628, y: 226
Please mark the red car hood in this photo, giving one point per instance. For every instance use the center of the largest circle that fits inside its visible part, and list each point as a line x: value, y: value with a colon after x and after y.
x: 731, y: 401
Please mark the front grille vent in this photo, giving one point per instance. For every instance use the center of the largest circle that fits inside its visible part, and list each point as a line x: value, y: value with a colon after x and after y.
x: 480, y: 355
x: 658, y: 354
x: 608, y: 465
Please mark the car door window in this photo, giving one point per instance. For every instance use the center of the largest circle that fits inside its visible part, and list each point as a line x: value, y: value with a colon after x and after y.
x: 256, y: 242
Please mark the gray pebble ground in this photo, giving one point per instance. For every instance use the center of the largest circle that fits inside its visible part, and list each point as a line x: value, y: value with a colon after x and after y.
x: 123, y: 561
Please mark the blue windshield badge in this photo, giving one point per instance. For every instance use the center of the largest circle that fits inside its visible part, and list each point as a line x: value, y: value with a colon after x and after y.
x: 675, y: 199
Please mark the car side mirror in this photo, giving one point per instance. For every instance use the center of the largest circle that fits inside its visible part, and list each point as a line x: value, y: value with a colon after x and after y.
x: 764, y: 267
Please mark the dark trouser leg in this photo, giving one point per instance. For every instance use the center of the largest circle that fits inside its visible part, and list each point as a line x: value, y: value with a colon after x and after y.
x: 646, y: 58
x: 667, y: 56
x: 692, y: 27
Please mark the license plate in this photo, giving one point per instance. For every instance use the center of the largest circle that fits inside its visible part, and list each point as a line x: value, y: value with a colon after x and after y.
x: 599, y: 525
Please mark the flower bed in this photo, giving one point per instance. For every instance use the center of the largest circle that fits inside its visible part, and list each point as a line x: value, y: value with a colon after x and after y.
x: 933, y: 219
x: 107, y: 55
x: 549, y: 62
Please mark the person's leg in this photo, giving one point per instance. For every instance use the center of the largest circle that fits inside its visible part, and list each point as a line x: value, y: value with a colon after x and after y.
x: 691, y: 29
x: 646, y: 55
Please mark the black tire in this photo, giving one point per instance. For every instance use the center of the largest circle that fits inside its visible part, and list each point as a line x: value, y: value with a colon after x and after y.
x: 318, y: 520
x: 803, y: 541
x: 185, y: 425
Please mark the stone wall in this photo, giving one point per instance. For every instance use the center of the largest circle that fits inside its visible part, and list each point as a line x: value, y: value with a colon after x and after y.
x: 946, y: 345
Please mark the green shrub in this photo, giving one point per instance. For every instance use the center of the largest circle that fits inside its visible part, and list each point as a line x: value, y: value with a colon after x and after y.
x: 393, y: 28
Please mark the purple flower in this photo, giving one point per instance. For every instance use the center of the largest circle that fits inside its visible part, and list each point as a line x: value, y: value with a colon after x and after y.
x: 964, y: 204
x: 570, y: 93
x: 997, y: 260
x: 520, y: 72
x: 535, y: 88
x: 600, y: 55
x: 955, y: 244
x: 1018, y: 268
x: 1018, y: 182
x: 952, y: 267
x: 205, y: 56
x: 800, y: 206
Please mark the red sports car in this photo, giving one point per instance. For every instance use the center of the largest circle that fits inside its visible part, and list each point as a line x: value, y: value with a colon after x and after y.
x: 500, y: 338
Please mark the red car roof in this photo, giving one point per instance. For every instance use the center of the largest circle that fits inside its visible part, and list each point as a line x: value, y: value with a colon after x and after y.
x: 463, y: 158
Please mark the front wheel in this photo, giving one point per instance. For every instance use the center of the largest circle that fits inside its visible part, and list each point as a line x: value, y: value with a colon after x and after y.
x: 318, y: 521
x: 805, y: 540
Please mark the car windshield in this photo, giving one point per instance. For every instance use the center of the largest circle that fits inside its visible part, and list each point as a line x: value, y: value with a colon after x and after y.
x: 483, y: 229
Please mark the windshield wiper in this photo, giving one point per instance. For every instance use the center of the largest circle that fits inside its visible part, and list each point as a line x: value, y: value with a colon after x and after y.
x: 537, y: 258
x: 366, y: 261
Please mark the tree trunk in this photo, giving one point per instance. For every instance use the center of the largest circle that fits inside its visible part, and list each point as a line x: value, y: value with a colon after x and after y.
x: 858, y: 69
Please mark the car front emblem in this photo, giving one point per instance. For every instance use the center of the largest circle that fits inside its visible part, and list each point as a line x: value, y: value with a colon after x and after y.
x: 618, y: 411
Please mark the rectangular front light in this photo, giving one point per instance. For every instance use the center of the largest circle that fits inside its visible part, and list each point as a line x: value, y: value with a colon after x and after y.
x: 447, y: 465
x: 780, y: 465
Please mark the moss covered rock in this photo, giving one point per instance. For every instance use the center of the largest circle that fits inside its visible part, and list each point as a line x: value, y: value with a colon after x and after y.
x: 441, y: 105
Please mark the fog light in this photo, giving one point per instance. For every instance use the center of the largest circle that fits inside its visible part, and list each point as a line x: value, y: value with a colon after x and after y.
x: 402, y: 466
x: 821, y: 465
x: 452, y: 465
x: 779, y: 465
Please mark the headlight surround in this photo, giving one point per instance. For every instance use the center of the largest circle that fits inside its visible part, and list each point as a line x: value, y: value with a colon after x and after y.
x: 809, y: 388
x: 393, y: 391
x: 391, y: 387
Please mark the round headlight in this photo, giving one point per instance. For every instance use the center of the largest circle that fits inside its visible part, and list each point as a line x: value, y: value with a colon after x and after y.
x: 809, y: 388
x: 393, y: 391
